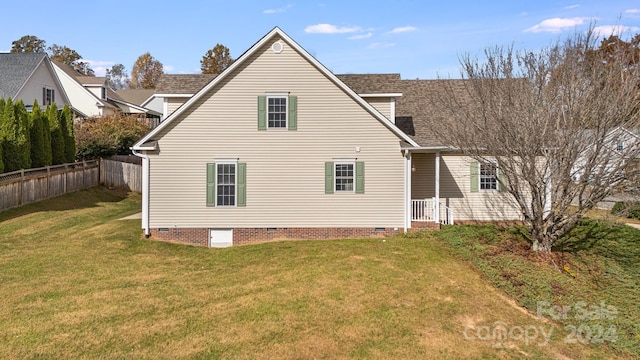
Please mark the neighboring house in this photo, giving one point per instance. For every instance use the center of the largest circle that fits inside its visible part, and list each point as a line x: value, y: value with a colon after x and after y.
x: 173, y: 90
x: 278, y: 147
x: 91, y: 96
x: 29, y: 77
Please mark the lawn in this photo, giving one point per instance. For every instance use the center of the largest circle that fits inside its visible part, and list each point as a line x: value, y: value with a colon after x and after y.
x: 77, y: 282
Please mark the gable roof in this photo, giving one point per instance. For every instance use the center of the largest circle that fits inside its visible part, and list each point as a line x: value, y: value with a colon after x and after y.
x: 15, y: 70
x: 276, y: 32
x: 416, y: 110
x: 182, y: 83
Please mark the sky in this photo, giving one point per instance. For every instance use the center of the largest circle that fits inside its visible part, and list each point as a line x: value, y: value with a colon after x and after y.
x: 416, y: 38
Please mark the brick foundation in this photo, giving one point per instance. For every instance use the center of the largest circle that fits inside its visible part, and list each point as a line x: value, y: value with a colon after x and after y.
x: 242, y: 236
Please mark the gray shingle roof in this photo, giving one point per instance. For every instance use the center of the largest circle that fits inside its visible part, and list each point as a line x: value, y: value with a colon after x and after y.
x: 135, y: 96
x: 417, y: 110
x: 182, y: 83
x: 15, y: 70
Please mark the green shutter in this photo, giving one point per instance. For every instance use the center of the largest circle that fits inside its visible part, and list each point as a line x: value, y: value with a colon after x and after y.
x: 242, y: 185
x: 328, y: 178
x: 293, y: 113
x: 475, y: 176
x: 262, y: 113
x: 211, y: 184
x: 502, y: 181
x: 359, y: 177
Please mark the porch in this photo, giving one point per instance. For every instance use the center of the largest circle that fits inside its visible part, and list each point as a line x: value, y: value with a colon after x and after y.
x: 431, y: 210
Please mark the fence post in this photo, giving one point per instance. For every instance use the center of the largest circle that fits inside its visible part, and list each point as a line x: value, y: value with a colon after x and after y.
x: 21, y: 190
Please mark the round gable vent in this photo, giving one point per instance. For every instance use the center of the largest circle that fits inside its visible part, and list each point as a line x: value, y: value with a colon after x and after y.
x: 277, y: 47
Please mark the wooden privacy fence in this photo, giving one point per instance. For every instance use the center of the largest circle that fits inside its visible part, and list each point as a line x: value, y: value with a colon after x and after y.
x: 23, y: 187
x: 122, y: 175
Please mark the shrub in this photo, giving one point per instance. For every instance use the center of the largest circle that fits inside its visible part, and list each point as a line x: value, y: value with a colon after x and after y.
x: 106, y: 136
x: 630, y: 209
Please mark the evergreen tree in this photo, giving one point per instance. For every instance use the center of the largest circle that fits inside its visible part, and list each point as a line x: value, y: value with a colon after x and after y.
x: 23, y: 137
x: 46, y: 131
x: 2, y: 104
x: 38, y: 155
x: 57, y: 135
x: 10, y: 151
x: 69, y: 138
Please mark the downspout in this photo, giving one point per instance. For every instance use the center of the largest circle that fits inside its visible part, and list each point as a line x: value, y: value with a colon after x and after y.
x: 145, y: 191
x: 407, y: 190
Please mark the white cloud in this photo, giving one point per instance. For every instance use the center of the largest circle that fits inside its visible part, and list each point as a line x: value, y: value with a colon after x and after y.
x: 167, y: 68
x: 278, y: 10
x: 330, y: 29
x: 99, y: 67
x: 571, y: 6
x: 632, y: 13
x: 608, y: 30
x: 399, y: 30
x: 378, y: 45
x: 361, y: 36
x: 556, y: 25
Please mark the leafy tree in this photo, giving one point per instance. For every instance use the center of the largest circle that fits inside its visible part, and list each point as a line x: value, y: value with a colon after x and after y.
x: 110, y: 135
x: 117, y: 77
x: 2, y: 106
x: 28, y: 43
x: 15, y: 137
x: 146, y: 72
x: 38, y: 154
x: 66, y: 122
x: 57, y: 135
x: 70, y: 57
x: 216, y: 60
x: 545, y: 118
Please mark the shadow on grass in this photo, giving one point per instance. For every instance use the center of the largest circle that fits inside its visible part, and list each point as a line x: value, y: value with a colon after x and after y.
x: 73, y: 201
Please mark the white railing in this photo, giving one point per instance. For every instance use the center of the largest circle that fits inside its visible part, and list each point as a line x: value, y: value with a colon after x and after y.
x: 431, y: 210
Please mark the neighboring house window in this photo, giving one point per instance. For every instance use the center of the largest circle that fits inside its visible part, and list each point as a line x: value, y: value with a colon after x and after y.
x: 620, y: 146
x: 277, y: 111
x: 344, y: 177
x: 48, y: 96
x: 226, y: 183
x: 104, y: 93
x: 488, y: 176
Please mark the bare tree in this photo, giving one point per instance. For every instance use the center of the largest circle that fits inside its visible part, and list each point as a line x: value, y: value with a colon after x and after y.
x: 555, y: 124
x: 146, y: 72
x: 117, y: 77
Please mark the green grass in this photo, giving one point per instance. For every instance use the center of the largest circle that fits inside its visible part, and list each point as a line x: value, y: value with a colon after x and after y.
x: 595, y: 267
x: 79, y: 283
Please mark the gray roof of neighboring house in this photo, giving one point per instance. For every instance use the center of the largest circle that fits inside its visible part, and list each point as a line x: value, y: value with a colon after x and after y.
x: 182, y: 83
x: 135, y: 96
x: 417, y: 110
x: 15, y: 70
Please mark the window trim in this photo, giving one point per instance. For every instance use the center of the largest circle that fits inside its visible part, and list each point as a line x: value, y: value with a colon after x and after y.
x: 235, y: 183
x: 45, y: 91
x: 284, y: 96
x: 496, y: 176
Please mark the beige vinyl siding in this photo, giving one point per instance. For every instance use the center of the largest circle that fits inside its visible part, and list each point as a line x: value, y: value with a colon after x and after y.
x: 32, y: 89
x: 383, y: 105
x: 455, y: 185
x: 285, y: 169
x: 175, y: 102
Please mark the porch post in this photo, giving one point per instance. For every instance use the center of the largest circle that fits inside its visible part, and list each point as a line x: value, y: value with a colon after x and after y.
x: 436, y: 216
x: 408, y: 215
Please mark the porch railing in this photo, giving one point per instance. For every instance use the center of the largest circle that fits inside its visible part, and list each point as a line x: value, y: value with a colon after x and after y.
x: 431, y: 210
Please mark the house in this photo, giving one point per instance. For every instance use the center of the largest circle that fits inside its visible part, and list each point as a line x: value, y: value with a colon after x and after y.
x: 173, y: 90
x: 278, y: 147
x: 91, y: 96
x: 29, y: 77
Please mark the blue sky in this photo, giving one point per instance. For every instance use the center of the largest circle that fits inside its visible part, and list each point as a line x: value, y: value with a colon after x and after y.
x: 416, y: 38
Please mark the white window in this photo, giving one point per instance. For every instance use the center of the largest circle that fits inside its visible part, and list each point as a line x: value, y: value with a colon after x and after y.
x: 344, y: 176
x: 488, y: 176
x: 225, y: 184
x: 276, y: 112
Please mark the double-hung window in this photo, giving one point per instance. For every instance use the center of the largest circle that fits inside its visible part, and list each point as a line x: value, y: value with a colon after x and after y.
x: 226, y: 183
x: 488, y: 176
x: 344, y: 176
x: 277, y: 111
